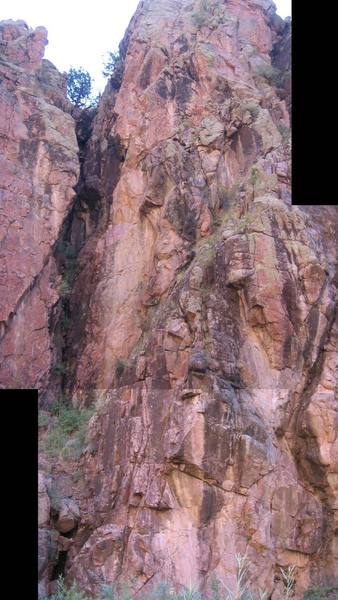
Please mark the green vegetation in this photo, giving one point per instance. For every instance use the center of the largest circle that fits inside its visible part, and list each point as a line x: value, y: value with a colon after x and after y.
x: 165, y: 591
x: 271, y: 74
x: 68, y: 277
x: 228, y: 195
x: 120, y: 366
x: 67, y: 436
x: 71, y: 419
x: 77, y: 476
x: 64, y: 288
x: 223, y: 195
x: 112, y: 593
x: 241, y: 591
x: 321, y: 593
x: 64, y: 593
x: 285, y: 132
x: 201, y: 17
x: 43, y: 419
x: 95, y: 100
x: 65, y: 322
x: 60, y: 368
x: 79, y: 86
x: 113, y: 68
x: 58, y: 405
x: 288, y: 580
x: 206, y: 250
x: 252, y: 108
x: 254, y: 178
x: 66, y: 250
x: 68, y: 266
x: 112, y: 62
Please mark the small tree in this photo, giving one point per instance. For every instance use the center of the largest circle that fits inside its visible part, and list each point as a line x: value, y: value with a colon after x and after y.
x: 111, y: 64
x: 79, y: 86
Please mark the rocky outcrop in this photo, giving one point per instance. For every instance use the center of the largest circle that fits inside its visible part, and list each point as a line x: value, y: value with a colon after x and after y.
x: 39, y: 169
x: 202, y: 320
x: 214, y: 441
x: 194, y: 113
x: 209, y: 318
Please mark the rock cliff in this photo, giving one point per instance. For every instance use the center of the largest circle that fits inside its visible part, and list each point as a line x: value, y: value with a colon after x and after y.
x: 155, y: 269
x: 39, y: 167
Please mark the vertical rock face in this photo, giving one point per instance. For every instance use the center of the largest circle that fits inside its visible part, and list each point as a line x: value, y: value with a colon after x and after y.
x: 194, y: 112
x: 202, y: 318
x: 39, y: 167
x: 208, y: 330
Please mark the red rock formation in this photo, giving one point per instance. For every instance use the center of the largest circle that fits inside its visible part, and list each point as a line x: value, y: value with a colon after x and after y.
x: 202, y: 320
x: 214, y: 296
x: 39, y: 168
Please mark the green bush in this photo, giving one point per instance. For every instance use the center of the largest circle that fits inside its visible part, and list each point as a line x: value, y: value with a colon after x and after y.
x: 271, y: 74
x: 321, y: 593
x: 252, y: 108
x: 70, y: 419
x: 112, y: 62
x: 64, y: 593
x: 54, y: 442
x: 69, y: 433
x: 58, y: 405
x: 79, y: 86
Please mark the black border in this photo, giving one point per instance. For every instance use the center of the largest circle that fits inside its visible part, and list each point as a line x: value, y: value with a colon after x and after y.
x: 20, y: 489
x: 314, y: 104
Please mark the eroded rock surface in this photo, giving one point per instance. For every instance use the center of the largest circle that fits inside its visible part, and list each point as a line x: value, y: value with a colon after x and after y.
x: 202, y: 318
x: 211, y: 320
x: 39, y: 167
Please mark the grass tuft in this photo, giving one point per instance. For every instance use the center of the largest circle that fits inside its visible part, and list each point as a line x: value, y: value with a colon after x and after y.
x: 165, y: 591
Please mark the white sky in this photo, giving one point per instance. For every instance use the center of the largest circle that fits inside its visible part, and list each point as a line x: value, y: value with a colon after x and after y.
x: 81, y: 32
